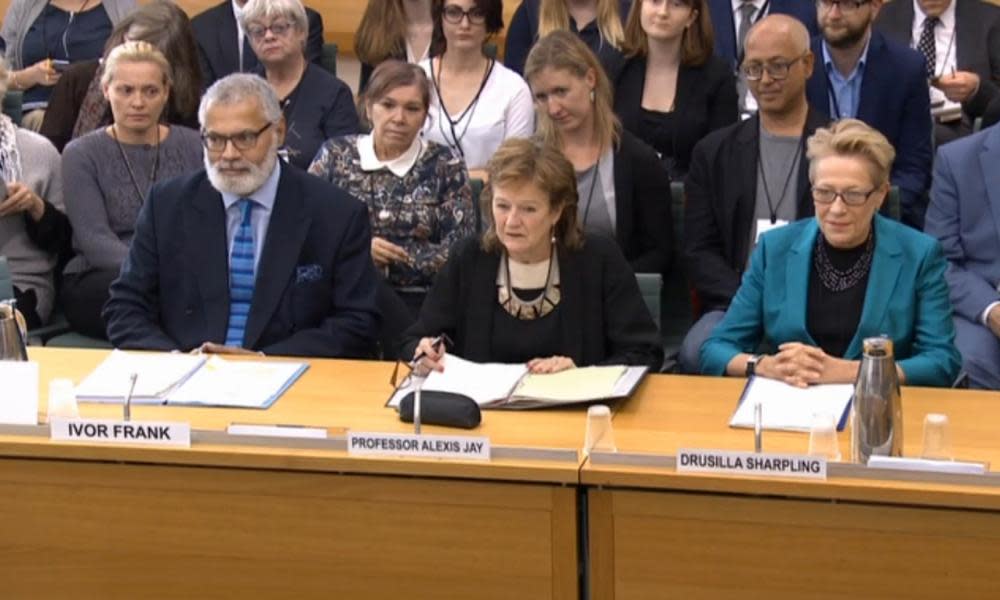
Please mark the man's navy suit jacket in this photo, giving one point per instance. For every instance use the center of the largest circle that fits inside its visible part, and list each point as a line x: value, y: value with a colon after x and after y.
x: 315, y: 287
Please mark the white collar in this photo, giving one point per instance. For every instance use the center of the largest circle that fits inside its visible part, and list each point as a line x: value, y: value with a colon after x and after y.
x: 738, y: 3
x: 399, y: 166
x: 947, y: 17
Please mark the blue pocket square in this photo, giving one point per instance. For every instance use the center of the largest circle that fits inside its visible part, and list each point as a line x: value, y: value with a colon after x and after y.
x: 308, y: 273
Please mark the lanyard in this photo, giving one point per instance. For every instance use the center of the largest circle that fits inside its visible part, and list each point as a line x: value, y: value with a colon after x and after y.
x: 771, y: 207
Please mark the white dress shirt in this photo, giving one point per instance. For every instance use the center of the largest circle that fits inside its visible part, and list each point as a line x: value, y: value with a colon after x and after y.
x: 944, y: 52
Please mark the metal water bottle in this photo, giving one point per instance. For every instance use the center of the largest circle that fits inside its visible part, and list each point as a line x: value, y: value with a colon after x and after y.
x: 877, y: 415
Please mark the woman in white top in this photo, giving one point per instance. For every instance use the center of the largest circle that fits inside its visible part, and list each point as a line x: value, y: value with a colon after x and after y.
x: 477, y: 102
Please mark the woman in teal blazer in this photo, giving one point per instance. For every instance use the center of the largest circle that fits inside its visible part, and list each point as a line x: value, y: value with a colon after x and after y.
x: 816, y: 288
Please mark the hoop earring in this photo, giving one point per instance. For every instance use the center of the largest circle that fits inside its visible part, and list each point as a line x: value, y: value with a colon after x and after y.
x: 553, y: 238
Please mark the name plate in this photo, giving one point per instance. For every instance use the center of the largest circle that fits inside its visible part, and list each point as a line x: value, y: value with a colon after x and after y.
x: 408, y: 444
x: 751, y: 463
x: 110, y: 431
x: 924, y: 464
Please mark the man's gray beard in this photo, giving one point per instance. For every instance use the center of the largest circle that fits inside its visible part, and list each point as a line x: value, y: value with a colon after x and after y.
x: 243, y: 185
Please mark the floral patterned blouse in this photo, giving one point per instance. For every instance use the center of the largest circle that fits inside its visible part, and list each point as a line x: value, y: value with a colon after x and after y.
x: 425, y: 211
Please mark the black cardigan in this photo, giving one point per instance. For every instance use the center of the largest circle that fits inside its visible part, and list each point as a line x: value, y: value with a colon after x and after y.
x: 644, y: 227
x: 603, y: 319
x: 705, y: 100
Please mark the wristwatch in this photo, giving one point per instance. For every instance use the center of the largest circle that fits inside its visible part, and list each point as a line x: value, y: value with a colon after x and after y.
x: 752, y: 363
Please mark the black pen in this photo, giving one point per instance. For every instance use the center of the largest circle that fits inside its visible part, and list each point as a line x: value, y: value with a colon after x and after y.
x: 435, y: 343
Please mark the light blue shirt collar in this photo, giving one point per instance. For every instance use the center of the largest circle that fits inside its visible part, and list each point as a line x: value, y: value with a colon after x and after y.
x: 263, y: 196
x: 858, y: 68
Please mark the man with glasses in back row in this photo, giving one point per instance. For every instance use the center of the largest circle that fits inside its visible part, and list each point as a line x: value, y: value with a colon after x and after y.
x: 863, y: 75
x: 247, y: 255
x: 751, y: 176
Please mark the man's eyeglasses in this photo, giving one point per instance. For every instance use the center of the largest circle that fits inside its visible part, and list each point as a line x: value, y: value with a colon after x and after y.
x: 257, y: 31
x: 850, y: 197
x: 244, y: 140
x: 454, y: 15
x: 845, y: 6
x: 777, y: 69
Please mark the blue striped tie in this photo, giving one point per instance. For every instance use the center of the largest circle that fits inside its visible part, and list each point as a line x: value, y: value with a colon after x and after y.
x: 241, y: 276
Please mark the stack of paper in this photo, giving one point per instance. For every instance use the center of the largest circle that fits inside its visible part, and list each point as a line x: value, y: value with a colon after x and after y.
x: 189, y: 379
x: 788, y: 408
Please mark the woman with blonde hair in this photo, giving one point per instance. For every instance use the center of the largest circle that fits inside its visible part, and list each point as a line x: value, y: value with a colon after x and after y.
x: 399, y: 29
x: 673, y: 90
x: 817, y: 288
x: 624, y: 190
x: 112, y: 170
x: 597, y: 22
x: 534, y: 288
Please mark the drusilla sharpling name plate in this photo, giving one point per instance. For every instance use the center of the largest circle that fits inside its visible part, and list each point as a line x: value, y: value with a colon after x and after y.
x: 110, y: 431
x: 751, y: 463
x: 360, y: 443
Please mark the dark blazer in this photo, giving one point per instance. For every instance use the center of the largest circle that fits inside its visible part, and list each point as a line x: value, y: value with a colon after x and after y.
x: 977, y: 42
x: 721, y: 12
x: 895, y: 100
x: 523, y: 33
x: 215, y: 31
x: 906, y: 299
x: 644, y: 228
x: 705, y: 100
x: 321, y: 107
x: 315, y: 290
x: 602, y: 320
x: 720, y: 196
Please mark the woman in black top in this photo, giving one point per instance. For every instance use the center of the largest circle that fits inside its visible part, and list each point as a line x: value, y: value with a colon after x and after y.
x: 673, y: 91
x: 317, y: 106
x: 533, y: 289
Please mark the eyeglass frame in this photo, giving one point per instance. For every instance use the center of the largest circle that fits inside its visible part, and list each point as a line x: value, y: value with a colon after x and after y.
x: 226, y: 139
x: 842, y: 195
x: 786, y: 65
x: 855, y: 5
x: 259, y: 32
x: 466, y: 14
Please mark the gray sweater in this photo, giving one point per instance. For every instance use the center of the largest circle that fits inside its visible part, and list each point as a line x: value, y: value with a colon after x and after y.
x: 31, y: 267
x: 22, y: 13
x: 102, y: 202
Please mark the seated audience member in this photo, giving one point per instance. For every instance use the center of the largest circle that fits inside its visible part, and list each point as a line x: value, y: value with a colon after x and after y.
x: 597, y: 22
x: 865, y: 76
x: 248, y: 254
x: 534, y: 289
x: 732, y: 19
x: 817, y: 288
x: 417, y: 192
x: 964, y: 214
x: 38, y: 33
x: 960, y: 40
x: 78, y: 105
x: 111, y: 171
x: 224, y: 47
x: 624, y: 191
x: 34, y: 232
x: 317, y: 106
x: 751, y: 176
x: 477, y: 102
x: 393, y: 29
x: 673, y: 91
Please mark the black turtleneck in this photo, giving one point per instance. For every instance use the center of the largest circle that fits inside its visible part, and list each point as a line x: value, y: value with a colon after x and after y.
x: 832, y: 317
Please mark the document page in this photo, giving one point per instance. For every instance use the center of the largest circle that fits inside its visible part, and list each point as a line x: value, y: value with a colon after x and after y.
x: 237, y: 384
x: 158, y: 373
x: 788, y: 408
x: 483, y: 382
x: 571, y: 385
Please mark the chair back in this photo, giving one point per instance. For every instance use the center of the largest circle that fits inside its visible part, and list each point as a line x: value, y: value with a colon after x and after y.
x: 6, y: 280
x: 651, y: 286
x: 328, y: 59
x: 12, y: 105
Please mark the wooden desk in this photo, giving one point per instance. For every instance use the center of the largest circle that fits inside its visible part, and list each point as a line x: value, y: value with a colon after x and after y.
x: 242, y: 521
x: 654, y: 533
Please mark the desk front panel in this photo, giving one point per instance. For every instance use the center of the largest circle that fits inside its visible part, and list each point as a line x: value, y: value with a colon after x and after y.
x: 80, y: 529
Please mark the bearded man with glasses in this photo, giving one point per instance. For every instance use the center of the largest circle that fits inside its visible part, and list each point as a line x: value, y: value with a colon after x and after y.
x: 864, y: 75
x: 751, y: 176
x: 247, y: 255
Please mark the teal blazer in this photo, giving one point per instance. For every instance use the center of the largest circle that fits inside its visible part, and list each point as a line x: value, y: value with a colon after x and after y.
x: 906, y: 299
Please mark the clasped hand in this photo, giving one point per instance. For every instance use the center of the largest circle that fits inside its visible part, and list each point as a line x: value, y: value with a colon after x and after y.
x: 21, y: 199
x: 801, y: 365
x: 385, y: 252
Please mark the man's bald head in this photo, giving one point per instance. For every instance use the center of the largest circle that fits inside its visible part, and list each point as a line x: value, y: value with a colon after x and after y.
x: 782, y: 27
